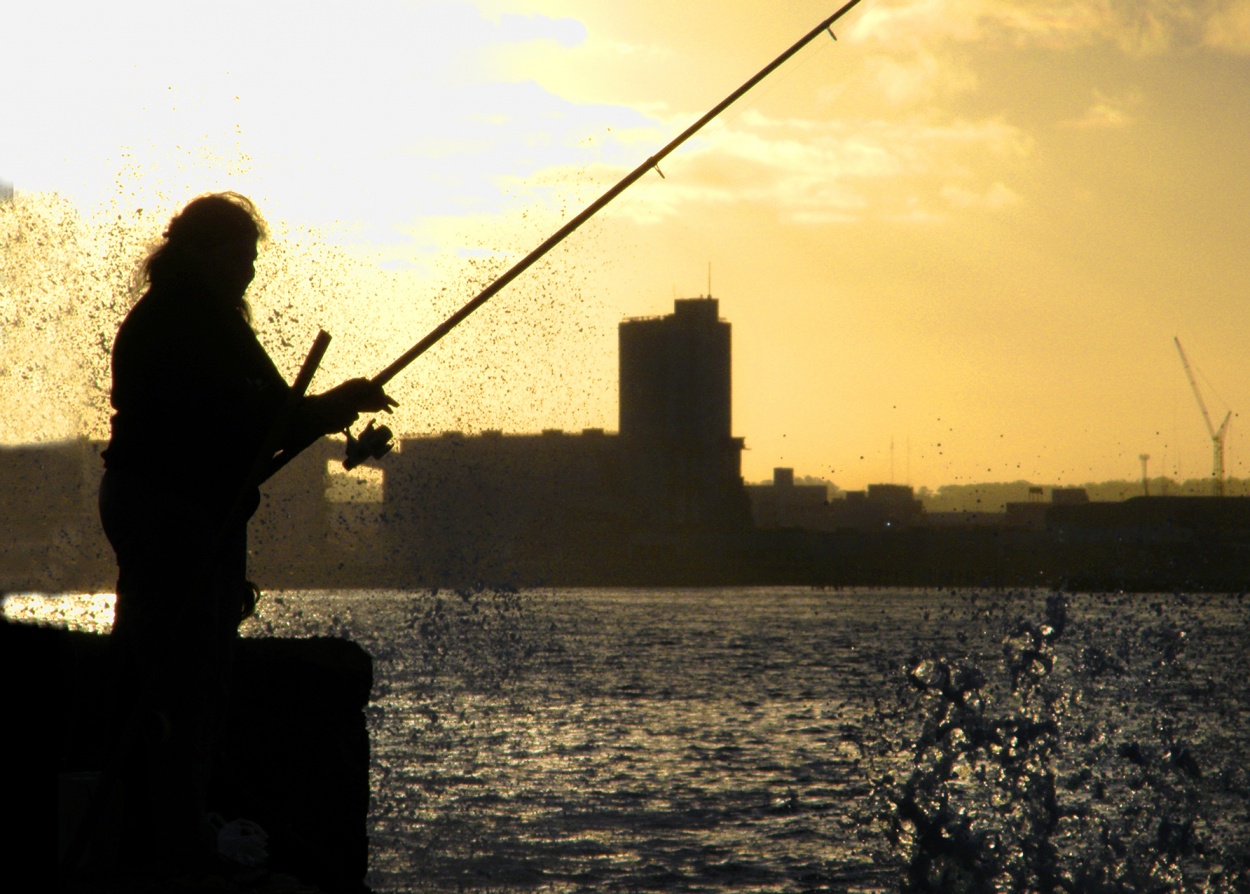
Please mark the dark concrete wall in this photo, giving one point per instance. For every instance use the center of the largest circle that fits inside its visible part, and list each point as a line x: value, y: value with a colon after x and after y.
x: 296, y: 754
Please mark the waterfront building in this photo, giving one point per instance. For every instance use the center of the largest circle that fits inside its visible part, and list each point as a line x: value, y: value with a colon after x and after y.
x: 589, y: 506
x: 676, y: 418
x: 505, y: 508
x: 784, y: 504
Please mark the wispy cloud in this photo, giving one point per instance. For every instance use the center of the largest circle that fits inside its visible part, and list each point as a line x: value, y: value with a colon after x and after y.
x: 567, y: 32
x: 997, y: 197
x: 917, y: 78
x: 819, y: 171
x: 1138, y: 27
x: 1105, y: 113
x: 1229, y: 28
x: 911, y: 22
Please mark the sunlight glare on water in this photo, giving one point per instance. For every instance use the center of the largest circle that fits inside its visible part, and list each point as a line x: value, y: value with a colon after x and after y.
x: 88, y: 612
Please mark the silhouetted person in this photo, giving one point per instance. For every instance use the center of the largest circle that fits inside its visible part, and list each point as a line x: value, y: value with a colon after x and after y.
x: 194, y: 394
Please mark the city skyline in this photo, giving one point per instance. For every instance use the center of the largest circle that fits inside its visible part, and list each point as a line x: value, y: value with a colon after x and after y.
x: 968, y: 230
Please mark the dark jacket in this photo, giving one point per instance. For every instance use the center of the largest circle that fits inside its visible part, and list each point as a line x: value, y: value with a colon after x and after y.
x: 194, y: 394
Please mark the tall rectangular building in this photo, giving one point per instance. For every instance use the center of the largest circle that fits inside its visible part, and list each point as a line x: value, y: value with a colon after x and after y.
x: 675, y: 376
x: 675, y: 415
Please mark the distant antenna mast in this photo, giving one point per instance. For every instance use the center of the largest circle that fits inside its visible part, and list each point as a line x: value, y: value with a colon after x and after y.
x: 1217, y: 434
x: 709, y: 279
x: 1145, y: 479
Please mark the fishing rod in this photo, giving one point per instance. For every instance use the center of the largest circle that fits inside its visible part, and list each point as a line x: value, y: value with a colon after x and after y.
x: 375, y: 443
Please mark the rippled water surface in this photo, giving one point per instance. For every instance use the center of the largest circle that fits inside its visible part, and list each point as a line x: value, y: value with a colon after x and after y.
x: 703, y: 740
x: 692, y: 740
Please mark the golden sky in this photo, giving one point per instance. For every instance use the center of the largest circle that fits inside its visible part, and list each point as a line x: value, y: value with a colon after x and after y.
x: 955, y: 245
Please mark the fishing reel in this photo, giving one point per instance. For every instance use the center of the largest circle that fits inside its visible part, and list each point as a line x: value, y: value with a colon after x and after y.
x: 373, y: 443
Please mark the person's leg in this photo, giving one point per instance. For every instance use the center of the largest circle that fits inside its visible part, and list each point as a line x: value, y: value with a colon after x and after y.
x: 173, y: 671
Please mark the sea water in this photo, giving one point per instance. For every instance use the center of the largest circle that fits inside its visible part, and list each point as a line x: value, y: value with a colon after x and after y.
x: 745, y: 739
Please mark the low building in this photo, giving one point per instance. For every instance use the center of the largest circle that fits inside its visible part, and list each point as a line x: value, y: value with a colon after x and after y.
x: 882, y: 506
x: 1033, y: 513
x: 506, y: 508
x: 784, y: 504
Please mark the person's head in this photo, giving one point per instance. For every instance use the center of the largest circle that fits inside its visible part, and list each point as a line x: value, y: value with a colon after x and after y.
x: 209, y: 250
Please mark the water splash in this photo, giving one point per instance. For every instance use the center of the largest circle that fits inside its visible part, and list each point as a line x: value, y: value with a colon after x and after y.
x: 539, y: 356
x: 1076, y: 761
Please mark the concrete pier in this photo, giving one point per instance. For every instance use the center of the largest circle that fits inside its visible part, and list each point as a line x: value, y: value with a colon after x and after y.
x: 295, y: 757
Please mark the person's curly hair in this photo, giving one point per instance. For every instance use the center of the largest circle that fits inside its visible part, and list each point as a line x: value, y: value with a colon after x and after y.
x: 204, y: 224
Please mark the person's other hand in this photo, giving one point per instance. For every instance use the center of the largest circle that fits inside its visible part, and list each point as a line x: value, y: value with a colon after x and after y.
x: 342, y: 405
x: 365, y: 397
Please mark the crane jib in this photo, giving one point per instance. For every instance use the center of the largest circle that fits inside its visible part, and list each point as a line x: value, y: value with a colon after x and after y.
x: 1217, y: 435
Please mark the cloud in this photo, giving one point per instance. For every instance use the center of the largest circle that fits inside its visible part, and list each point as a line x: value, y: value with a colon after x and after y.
x: 1105, y: 113
x: 918, y: 78
x: 912, y: 21
x: 1229, y: 28
x: 567, y: 32
x: 394, y: 116
x: 917, y: 22
x: 815, y: 172
x: 997, y: 197
x: 1137, y: 27
x: 381, y: 113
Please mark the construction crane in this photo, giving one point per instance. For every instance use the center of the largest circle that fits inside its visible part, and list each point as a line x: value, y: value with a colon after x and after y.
x: 1217, y: 434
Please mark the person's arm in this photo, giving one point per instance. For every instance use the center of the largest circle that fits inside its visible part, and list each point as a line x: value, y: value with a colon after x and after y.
x: 318, y: 414
x: 337, y: 409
